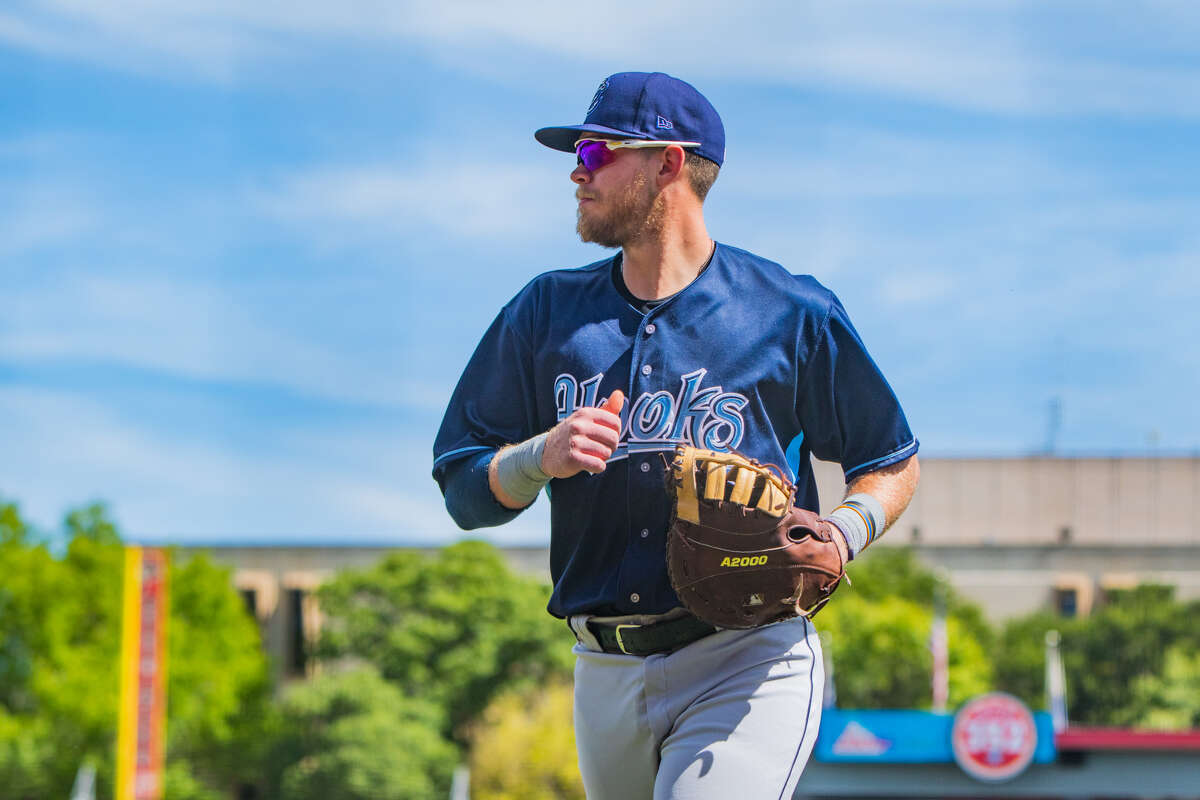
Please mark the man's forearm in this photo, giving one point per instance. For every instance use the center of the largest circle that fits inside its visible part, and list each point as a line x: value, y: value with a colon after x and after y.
x: 515, y: 475
x: 893, y: 486
x: 873, y: 502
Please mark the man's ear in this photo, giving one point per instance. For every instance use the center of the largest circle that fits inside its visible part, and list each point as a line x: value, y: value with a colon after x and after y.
x: 670, y: 164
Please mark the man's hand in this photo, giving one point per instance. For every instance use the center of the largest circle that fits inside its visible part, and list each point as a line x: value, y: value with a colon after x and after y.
x: 585, y: 439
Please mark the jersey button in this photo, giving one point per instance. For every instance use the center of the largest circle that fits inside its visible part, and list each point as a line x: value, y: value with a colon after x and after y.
x: 647, y: 369
x: 650, y: 329
x: 645, y: 466
x: 635, y: 598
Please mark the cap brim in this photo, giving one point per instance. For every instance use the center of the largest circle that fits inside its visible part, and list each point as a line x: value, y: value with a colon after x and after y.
x: 563, y: 137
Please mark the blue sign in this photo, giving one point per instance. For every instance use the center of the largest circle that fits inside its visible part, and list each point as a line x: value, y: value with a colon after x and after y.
x: 904, y: 737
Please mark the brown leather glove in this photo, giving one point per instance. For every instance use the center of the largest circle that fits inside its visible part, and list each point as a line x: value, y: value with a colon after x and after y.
x: 739, y: 554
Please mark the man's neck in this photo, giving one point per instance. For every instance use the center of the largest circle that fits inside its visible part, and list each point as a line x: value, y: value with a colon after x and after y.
x: 660, y: 267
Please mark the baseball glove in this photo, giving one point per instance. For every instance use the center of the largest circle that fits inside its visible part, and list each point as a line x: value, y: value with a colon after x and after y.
x: 739, y: 554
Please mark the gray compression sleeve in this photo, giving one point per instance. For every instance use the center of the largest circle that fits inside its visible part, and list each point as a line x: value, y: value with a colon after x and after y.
x: 519, y: 469
x: 861, y: 520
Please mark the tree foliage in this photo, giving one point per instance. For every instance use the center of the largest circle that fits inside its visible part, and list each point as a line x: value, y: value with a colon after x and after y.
x: 354, y: 736
x: 1124, y: 663
x: 523, y: 747
x: 886, y: 572
x: 455, y: 627
x: 1020, y: 657
x: 59, y: 664
x: 878, y: 630
x: 1170, y: 700
x: 219, y: 689
x: 1126, y: 640
x: 63, y: 620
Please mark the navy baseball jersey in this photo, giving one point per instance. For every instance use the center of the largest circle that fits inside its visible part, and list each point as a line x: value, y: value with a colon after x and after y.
x: 748, y: 357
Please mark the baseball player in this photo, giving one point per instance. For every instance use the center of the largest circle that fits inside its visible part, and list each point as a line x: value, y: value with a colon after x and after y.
x: 585, y: 383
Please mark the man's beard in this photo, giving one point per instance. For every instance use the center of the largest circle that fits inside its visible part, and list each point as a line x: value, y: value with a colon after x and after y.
x: 637, y: 214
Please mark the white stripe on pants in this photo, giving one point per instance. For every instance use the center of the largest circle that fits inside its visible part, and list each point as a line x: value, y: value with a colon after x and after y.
x: 734, y: 714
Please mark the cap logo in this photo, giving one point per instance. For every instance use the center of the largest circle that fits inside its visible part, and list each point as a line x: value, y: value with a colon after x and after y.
x: 664, y: 124
x: 596, y: 98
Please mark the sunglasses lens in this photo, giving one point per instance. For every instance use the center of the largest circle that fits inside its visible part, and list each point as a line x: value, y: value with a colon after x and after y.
x: 593, y: 155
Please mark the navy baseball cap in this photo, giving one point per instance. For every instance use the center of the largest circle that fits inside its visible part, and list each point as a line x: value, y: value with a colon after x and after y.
x: 646, y: 105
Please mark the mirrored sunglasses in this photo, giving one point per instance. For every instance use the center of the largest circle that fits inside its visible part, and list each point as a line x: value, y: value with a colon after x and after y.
x: 596, y: 153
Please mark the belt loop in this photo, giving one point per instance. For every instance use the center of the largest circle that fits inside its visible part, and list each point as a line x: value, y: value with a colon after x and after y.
x: 583, y: 635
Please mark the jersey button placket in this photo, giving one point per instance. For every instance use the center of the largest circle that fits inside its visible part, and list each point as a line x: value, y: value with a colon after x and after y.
x: 640, y: 472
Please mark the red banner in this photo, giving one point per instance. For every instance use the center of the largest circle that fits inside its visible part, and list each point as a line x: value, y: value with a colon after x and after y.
x: 142, y: 732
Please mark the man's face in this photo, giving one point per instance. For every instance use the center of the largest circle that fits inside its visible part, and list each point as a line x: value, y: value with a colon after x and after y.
x: 618, y: 203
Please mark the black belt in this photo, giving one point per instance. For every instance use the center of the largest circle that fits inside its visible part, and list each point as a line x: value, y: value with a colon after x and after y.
x: 645, y: 640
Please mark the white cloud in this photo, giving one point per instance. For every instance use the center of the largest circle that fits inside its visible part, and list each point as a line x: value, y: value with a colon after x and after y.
x: 481, y: 200
x: 64, y: 450
x: 860, y: 163
x: 1045, y: 58
x: 34, y: 215
x: 31, y: 146
x: 197, y: 331
x: 420, y: 509
x: 399, y: 491
x: 916, y: 287
x: 889, y: 205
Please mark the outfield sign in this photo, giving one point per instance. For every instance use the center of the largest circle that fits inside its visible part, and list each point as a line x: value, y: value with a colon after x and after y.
x: 989, y: 740
x: 994, y: 737
x: 141, y: 734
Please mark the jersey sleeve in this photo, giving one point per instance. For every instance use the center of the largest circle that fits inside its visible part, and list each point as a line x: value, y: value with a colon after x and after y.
x: 491, y: 406
x: 847, y: 410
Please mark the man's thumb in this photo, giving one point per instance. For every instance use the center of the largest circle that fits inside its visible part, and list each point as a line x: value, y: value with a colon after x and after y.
x: 614, y: 402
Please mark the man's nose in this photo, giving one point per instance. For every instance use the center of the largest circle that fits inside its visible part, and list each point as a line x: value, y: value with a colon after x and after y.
x: 581, y: 174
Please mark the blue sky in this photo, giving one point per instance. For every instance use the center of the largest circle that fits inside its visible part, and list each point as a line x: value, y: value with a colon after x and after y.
x: 245, y: 249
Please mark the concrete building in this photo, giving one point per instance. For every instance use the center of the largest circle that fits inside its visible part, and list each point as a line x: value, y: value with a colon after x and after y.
x: 1012, y: 534
x: 1015, y: 535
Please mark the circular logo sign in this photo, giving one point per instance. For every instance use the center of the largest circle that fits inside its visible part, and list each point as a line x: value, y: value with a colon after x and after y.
x: 994, y: 737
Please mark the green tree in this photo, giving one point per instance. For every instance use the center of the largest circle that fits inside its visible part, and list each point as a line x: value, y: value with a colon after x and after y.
x: 455, y: 627
x: 25, y: 565
x: 64, y: 619
x: 219, y: 694
x: 1170, y: 701
x: 1127, y: 639
x: 59, y: 664
x: 878, y: 630
x: 523, y: 747
x: 1020, y: 658
x: 885, y: 572
x: 24, y: 742
x: 1118, y: 661
x: 354, y: 736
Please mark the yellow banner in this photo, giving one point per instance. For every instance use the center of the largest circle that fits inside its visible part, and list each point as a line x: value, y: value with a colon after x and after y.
x: 141, y: 733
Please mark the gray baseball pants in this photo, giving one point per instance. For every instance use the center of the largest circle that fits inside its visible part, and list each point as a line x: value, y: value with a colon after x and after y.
x: 733, y: 715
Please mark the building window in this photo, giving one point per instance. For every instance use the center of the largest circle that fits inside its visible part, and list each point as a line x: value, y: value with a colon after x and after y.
x: 250, y: 598
x: 1066, y: 602
x: 297, y: 659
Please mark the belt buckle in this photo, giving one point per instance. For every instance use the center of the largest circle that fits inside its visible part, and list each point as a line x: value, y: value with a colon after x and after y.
x: 620, y: 641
